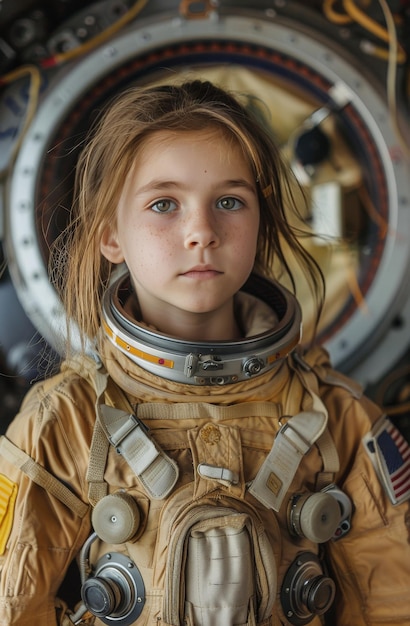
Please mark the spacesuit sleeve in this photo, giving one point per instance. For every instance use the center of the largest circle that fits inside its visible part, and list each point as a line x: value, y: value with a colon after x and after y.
x: 371, y: 563
x: 40, y: 534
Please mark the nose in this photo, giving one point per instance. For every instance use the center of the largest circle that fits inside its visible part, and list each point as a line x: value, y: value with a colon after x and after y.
x: 201, y: 229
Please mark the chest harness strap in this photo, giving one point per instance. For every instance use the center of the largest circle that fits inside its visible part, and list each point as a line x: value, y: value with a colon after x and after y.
x: 309, y: 374
x: 157, y: 472
x: 293, y: 441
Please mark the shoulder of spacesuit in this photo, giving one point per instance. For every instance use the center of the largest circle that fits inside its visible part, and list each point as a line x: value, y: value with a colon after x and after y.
x: 344, y: 397
x: 62, y: 388
x: 49, y: 439
x: 56, y: 413
x: 317, y: 359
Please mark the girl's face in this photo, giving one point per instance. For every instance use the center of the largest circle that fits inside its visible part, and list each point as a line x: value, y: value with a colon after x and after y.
x: 187, y: 228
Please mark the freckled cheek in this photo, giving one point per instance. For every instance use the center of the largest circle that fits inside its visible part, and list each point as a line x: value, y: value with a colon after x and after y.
x: 246, y: 238
x: 157, y: 247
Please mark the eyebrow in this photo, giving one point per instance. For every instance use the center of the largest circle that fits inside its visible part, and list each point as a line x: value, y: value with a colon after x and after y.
x: 160, y: 184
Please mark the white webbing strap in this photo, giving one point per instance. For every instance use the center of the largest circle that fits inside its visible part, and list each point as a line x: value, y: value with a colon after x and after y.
x: 292, y: 442
x: 308, y: 377
x: 157, y: 472
x: 41, y: 476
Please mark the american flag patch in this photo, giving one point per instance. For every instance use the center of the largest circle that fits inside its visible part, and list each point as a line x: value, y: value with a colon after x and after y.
x: 390, y: 455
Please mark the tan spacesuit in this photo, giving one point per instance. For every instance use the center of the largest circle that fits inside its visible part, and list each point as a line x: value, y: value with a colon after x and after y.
x: 240, y: 487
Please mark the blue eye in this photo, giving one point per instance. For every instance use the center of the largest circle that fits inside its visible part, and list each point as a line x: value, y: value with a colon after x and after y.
x: 163, y: 206
x: 229, y: 204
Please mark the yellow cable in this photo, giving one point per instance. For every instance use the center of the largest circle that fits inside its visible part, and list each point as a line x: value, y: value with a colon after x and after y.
x: 34, y: 91
x: 392, y: 76
x: 397, y: 409
x: 334, y: 16
x: 394, y: 54
x: 373, y: 214
x: 35, y: 75
x: 364, y: 20
x: 355, y: 290
x: 392, y: 378
x: 103, y: 36
x: 376, y: 29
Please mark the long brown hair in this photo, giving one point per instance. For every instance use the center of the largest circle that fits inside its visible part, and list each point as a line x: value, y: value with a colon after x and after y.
x: 78, y: 269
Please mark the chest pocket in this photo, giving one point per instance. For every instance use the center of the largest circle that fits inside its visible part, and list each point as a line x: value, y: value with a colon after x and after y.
x: 215, y: 558
x: 218, y: 564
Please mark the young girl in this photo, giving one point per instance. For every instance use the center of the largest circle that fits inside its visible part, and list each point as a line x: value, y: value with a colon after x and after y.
x: 199, y: 467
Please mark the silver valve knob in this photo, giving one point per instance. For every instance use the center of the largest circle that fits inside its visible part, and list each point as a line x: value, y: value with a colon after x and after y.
x: 101, y: 596
x: 306, y: 590
x: 253, y: 366
x: 115, y: 592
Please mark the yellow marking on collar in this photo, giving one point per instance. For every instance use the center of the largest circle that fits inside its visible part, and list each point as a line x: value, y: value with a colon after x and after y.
x: 8, y: 495
x: 282, y: 353
x: 145, y: 356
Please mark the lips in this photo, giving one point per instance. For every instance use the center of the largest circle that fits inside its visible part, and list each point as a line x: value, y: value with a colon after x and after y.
x: 202, y: 272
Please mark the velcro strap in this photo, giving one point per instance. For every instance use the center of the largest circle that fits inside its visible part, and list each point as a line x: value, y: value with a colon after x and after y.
x: 223, y: 474
x: 292, y: 442
x: 156, y: 471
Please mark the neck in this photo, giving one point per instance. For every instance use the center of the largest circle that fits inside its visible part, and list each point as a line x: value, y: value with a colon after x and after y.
x: 203, y: 327
x: 210, y: 326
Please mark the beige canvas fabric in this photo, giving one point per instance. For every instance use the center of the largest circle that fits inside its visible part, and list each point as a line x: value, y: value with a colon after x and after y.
x: 232, y: 428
